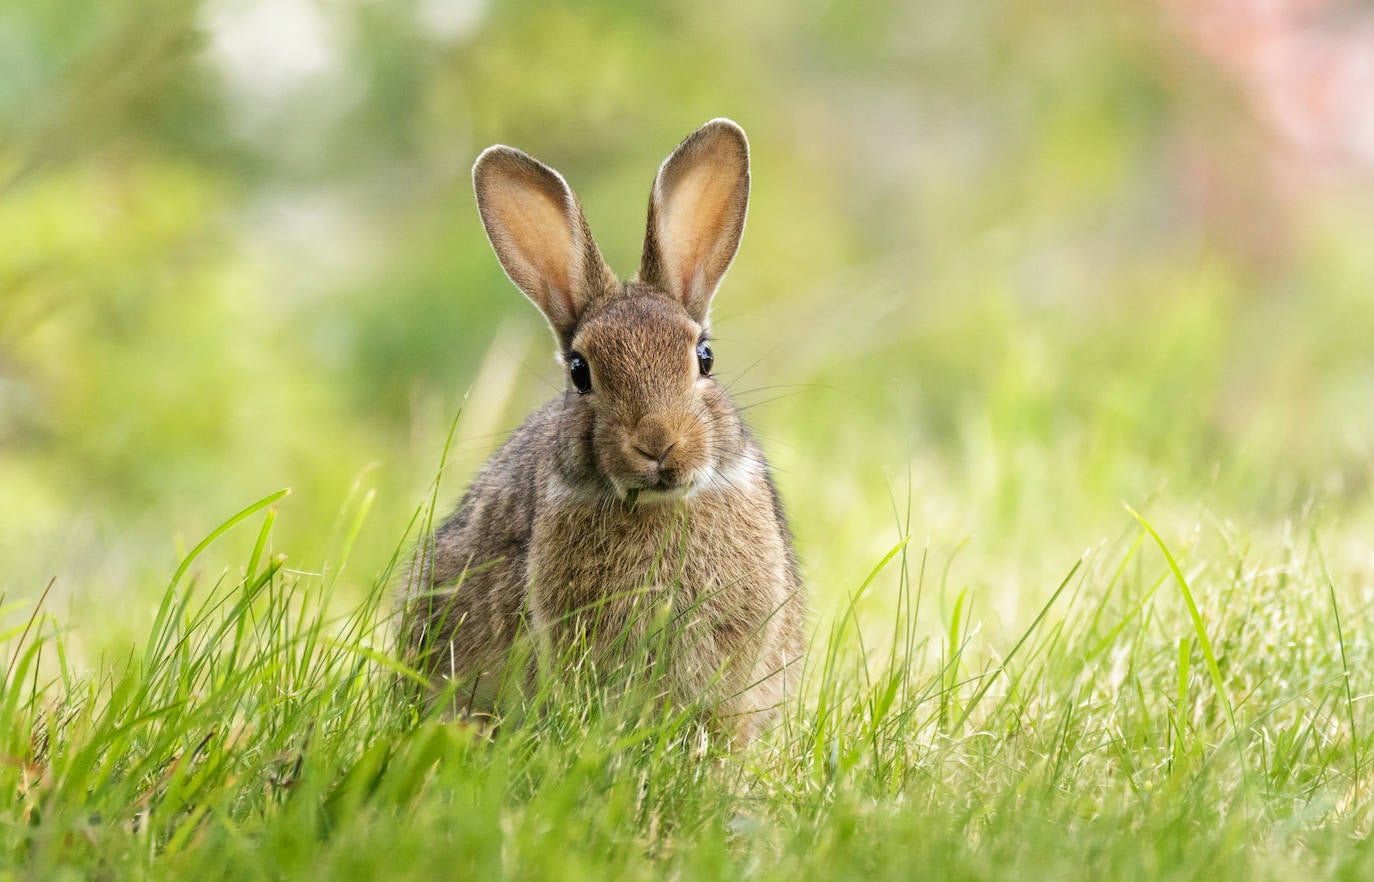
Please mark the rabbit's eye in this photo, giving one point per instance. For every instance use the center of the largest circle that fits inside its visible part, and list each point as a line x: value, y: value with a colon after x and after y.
x: 704, y: 358
x: 581, y: 373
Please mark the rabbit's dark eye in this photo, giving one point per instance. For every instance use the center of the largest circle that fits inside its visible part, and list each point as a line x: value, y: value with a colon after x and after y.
x: 580, y: 372
x: 704, y: 358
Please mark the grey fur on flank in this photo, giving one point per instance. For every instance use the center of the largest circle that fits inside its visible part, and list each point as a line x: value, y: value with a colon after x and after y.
x: 643, y: 491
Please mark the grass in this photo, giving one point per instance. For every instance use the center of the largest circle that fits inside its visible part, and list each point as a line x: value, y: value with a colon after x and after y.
x: 1031, y: 276
x: 1186, y: 699
x: 1177, y: 708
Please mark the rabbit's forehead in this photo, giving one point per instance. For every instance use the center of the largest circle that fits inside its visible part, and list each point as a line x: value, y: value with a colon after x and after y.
x: 638, y: 333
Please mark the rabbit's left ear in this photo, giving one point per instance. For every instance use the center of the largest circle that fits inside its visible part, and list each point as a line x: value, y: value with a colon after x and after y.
x: 696, y: 215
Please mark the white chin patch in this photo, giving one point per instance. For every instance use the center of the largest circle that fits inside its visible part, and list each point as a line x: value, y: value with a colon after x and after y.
x: 648, y: 496
x: 736, y: 477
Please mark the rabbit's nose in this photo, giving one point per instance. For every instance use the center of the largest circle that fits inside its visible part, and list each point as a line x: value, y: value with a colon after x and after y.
x: 658, y: 452
x: 653, y: 439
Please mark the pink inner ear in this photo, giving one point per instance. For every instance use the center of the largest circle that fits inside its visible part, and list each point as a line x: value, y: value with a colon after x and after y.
x: 699, y: 202
x: 694, y: 220
x: 533, y: 234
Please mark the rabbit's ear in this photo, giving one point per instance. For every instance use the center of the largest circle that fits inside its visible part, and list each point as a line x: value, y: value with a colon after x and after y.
x: 696, y: 215
x: 539, y: 234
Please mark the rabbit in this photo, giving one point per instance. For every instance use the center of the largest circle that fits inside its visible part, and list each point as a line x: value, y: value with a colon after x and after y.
x: 639, y: 488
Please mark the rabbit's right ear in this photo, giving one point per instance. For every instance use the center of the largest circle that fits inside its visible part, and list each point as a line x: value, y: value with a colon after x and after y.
x: 540, y: 236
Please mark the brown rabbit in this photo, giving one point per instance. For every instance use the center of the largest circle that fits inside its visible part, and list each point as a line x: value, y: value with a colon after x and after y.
x: 637, y: 496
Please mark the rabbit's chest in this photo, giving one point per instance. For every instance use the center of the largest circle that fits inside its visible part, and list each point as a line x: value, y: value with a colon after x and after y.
x: 718, y: 574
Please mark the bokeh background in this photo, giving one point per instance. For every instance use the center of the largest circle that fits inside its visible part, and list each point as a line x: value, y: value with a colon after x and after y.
x: 1007, y: 266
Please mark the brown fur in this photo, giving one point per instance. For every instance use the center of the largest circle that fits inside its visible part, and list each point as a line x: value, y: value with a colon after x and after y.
x: 646, y: 494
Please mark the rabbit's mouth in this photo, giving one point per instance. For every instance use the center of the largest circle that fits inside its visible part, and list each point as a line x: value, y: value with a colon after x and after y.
x: 666, y: 484
x: 662, y: 490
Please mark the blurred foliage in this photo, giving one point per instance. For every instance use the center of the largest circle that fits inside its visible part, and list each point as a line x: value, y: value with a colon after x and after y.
x: 1017, y: 262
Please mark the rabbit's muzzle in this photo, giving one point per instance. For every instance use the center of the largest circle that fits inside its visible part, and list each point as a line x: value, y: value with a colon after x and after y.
x: 660, y: 453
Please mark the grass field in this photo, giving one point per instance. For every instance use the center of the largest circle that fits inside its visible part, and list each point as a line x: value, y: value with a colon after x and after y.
x: 1184, y: 694
x: 1054, y: 321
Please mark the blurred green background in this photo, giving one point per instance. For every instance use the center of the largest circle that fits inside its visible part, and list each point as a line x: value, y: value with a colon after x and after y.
x: 1009, y: 264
